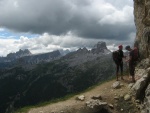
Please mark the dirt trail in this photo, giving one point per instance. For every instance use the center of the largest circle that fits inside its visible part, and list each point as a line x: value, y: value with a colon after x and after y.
x: 72, y: 105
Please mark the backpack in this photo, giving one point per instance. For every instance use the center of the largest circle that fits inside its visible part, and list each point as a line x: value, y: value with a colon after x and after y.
x: 115, y: 55
x: 135, y: 54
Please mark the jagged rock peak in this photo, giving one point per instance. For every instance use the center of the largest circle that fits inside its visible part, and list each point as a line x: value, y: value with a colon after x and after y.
x: 100, y: 47
x: 64, y: 52
x: 82, y: 50
x: 26, y: 51
x: 19, y: 53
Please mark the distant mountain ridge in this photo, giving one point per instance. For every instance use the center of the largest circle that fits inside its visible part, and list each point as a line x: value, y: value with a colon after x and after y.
x: 83, y: 55
x: 26, y: 58
x: 19, y: 54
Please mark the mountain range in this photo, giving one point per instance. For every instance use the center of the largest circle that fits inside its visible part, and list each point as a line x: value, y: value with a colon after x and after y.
x: 72, y: 73
x: 27, y: 59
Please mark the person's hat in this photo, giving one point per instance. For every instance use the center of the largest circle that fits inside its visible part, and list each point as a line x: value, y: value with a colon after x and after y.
x: 120, y: 46
x: 127, y: 47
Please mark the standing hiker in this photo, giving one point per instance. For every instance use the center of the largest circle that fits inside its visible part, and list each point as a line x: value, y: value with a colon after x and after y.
x: 133, y: 58
x: 118, y: 59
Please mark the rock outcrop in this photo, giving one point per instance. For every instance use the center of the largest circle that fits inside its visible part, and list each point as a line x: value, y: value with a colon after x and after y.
x: 19, y: 54
x: 140, y: 84
x: 100, y: 47
x: 142, y: 22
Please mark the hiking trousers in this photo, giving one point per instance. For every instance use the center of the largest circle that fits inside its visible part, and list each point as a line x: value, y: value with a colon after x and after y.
x: 132, y: 68
x: 119, y: 65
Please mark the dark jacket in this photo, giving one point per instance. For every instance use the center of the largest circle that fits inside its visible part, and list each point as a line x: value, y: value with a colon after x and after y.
x: 121, y: 55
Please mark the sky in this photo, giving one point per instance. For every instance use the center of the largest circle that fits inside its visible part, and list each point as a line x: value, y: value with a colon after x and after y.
x: 48, y: 25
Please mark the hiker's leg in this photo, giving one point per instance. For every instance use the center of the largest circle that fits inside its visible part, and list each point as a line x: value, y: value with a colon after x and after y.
x: 121, y: 68
x: 117, y: 70
x: 132, y: 68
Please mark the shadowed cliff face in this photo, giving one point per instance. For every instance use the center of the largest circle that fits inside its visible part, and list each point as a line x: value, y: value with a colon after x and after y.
x: 142, y: 22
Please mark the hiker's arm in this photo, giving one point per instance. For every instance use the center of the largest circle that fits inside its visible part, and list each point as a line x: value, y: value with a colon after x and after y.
x: 130, y: 58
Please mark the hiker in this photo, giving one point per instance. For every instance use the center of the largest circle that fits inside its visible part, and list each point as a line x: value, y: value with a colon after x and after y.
x: 118, y: 59
x: 133, y: 57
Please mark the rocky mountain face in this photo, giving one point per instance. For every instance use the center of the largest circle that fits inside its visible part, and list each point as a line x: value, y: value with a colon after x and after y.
x: 83, y: 55
x: 141, y: 89
x: 142, y: 22
x: 26, y: 58
x: 44, y: 57
x: 12, y: 56
x: 100, y: 47
x: 19, y: 54
x: 71, y: 73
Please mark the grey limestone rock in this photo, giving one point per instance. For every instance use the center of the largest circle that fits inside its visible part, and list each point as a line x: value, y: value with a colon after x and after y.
x: 116, y: 85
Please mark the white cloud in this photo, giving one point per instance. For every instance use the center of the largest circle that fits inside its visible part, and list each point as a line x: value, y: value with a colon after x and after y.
x: 124, y: 16
x: 1, y: 29
x: 48, y: 43
x: 7, y: 46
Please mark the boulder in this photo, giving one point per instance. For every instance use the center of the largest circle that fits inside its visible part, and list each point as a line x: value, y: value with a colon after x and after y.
x: 81, y: 98
x: 140, y: 84
x: 130, y: 85
x: 95, y: 104
x: 111, y: 106
x: 97, y: 97
x: 127, y: 97
x: 116, y: 85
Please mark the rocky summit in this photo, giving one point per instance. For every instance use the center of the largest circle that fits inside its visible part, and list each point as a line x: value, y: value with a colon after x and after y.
x: 100, y: 47
x: 19, y: 54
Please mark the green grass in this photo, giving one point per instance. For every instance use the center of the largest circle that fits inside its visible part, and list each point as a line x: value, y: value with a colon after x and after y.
x: 27, y: 108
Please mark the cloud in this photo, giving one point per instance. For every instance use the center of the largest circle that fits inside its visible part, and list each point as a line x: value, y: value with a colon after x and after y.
x: 48, y: 43
x: 88, y: 19
x: 1, y: 29
x: 7, y: 46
